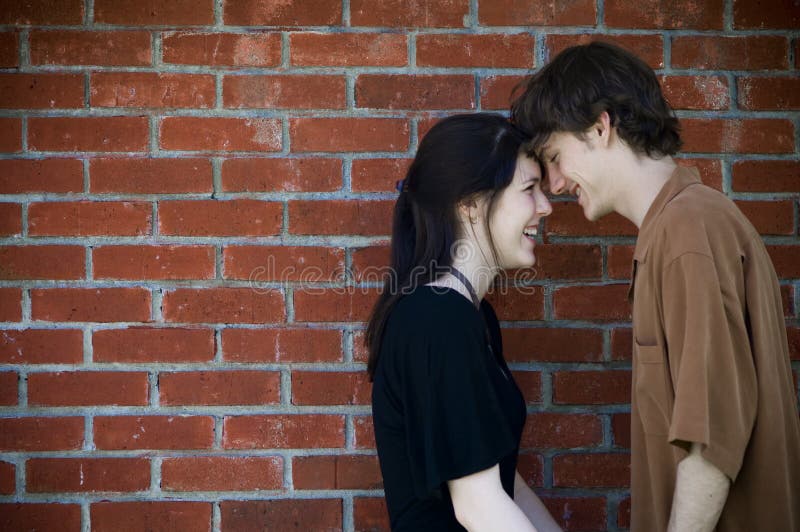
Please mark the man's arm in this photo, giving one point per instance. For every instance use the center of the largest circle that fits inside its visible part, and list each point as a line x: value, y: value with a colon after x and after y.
x: 700, y: 493
x: 532, y: 506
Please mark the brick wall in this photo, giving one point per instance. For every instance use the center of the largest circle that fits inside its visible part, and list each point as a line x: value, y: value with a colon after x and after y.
x: 157, y: 156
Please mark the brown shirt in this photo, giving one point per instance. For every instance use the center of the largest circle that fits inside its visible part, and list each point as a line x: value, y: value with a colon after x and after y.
x: 710, y: 362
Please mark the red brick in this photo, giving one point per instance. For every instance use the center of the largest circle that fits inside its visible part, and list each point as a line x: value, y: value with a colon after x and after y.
x: 223, y: 305
x: 756, y: 15
x: 497, y: 50
x: 89, y: 218
x: 497, y: 92
x: 32, y: 434
x: 10, y: 135
x: 766, y: 176
x: 219, y: 134
x: 597, y: 470
x: 785, y: 260
x: 219, y: 388
x: 281, y: 514
x: 91, y: 305
x: 552, y: 345
x: 284, y: 92
x: 650, y: 48
x: 409, y: 13
x: 370, y: 514
x: 88, y: 388
x: 737, y: 135
x: 238, y: 217
x: 153, y: 90
x: 280, y: 174
x: 360, y: 351
x: 620, y: 262
x: 769, y: 217
x: 341, y: 217
x: 348, y: 49
x: 336, y: 472
x: 44, y: 475
x: 42, y: 262
x: 568, y: 261
x: 147, y: 345
x: 592, y: 387
x: 604, y: 303
x: 364, y: 432
x: 797, y: 53
x: 282, y: 345
x: 528, y: 13
x: 530, y: 384
x: 512, y: 303
x: 330, y: 388
x: 710, y: 170
x: 787, y: 296
x: 222, y: 49
x: 9, y: 382
x: 334, y: 304
x: 222, y: 473
x: 568, y: 220
x: 378, y: 175
x: 103, y: 48
x: 348, y: 134
x: 696, y: 92
x: 282, y: 13
x: 302, y: 431
x: 370, y: 264
x: 621, y: 344
x: 8, y: 481
x: 759, y: 52
x: 260, y: 264
x: 41, y: 91
x: 154, y: 12
x: 621, y: 429
x: 146, y: 176
x: 10, y: 304
x: 42, y: 12
x: 657, y: 14
x: 548, y: 430
x: 624, y: 513
x: 22, y: 176
x: 153, y: 262
x: 417, y: 91
x: 40, y: 516
x: 793, y: 336
x: 153, y: 516
x: 41, y: 346
x: 531, y: 468
x: 584, y: 514
x: 9, y: 49
x: 764, y: 94
x: 88, y: 133
x: 153, y: 432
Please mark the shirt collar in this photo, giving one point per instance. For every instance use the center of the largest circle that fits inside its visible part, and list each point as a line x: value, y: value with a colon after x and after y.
x: 681, y: 178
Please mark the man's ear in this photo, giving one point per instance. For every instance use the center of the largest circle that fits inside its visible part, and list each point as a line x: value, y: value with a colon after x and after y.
x: 603, y: 129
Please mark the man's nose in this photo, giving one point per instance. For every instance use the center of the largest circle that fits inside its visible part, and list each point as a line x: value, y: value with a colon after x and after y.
x: 558, y: 183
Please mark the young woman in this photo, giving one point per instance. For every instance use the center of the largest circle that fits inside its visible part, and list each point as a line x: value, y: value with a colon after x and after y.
x: 448, y: 415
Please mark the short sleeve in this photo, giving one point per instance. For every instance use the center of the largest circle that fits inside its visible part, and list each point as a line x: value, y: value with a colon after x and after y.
x: 710, y: 361
x: 455, y: 421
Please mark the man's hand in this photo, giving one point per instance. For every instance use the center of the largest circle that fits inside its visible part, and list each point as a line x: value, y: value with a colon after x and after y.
x: 700, y: 493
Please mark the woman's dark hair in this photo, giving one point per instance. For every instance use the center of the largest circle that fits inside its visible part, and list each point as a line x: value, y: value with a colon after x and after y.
x: 462, y: 157
x: 571, y: 92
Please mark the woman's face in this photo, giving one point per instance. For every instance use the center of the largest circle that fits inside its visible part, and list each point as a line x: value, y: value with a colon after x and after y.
x: 518, y: 209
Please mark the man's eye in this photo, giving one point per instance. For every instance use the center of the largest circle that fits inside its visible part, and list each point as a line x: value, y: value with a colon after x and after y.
x: 553, y: 159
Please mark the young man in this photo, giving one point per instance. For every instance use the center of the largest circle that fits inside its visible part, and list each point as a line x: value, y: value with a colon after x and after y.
x: 714, y: 421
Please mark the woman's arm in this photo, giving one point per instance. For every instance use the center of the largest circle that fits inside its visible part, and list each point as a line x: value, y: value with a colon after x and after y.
x: 532, y: 506
x: 480, y: 503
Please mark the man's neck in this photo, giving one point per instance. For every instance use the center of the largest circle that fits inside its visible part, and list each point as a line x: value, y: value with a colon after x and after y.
x: 642, y: 179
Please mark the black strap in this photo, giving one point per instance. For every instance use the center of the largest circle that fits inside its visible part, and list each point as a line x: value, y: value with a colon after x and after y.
x: 468, y: 285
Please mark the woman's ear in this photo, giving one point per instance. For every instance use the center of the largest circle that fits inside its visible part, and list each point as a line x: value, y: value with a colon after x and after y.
x: 468, y: 211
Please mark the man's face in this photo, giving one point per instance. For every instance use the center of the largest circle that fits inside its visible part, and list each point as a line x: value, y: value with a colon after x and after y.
x: 574, y: 166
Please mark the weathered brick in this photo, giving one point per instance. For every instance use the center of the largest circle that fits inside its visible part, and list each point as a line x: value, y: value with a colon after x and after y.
x: 101, y: 48
x: 621, y: 430
x: 8, y: 480
x: 758, y: 52
x: 592, y: 387
x: 10, y: 135
x: 370, y: 514
x: 710, y: 170
x: 605, y: 303
x: 42, y: 12
x: 696, y: 92
x: 568, y: 220
x: 497, y: 92
x: 42, y: 262
x: 348, y: 49
x: 766, y: 94
x: 409, y: 13
x: 280, y: 174
x: 89, y: 218
x: 10, y: 304
x: 573, y: 513
x: 282, y: 345
x: 154, y: 12
x: 418, y: 91
x: 153, y: 262
x: 87, y: 388
x: 223, y: 305
x: 154, y: 516
x: 334, y: 305
x: 530, y: 384
x: 531, y: 468
x: 40, y: 516
x: 378, y: 175
x: 147, y: 345
x: 41, y: 346
x: 146, y: 176
x: 624, y: 513
x: 497, y: 50
x: 656, y: 14
x: 282, y: 13
x: 330, y: 388
x: 284, y: 92
x: 151, y: 90
x: 336, y: 472
x: 44, y: 475
x: 25, y: 176
x: 552, y: 345
x: 596, y: 470
x: 41, y: 91
x: 153, y: 432
x: 512, y: 303
x: 219, y: 387
x: 9, y: 49
x: 222, y: 473
x: 770, y: 217
x: 237, y: 217
x: 547, y: 430
x: 348, y: 134
x: 88, y: 133
x: 283, y: 514
x: 32, y: 434
x: 9, y: 388
x: 621, y: 344
x: 620, y: 262
x: 756, y: 135
x: 364, y: 432
x: 340, y: 217
x: 219, y: 134
x: 305, y: 264
x: 650, y: 48
x: 525, y: 12
x: 766, y: 176
x: 300, y: 431
x: 568, y: 261
x: 92, y: 305
x: 757, y: 15
x: 784, y: 258
x: 222, y: 49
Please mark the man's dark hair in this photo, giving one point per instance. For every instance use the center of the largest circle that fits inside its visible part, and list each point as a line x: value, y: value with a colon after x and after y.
x: 571, y: 92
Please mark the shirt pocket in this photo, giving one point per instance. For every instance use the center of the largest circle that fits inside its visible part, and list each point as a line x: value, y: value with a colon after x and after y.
x: 652, y: 388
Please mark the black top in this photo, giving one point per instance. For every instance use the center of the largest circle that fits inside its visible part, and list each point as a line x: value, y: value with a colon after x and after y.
x: 443, y: 405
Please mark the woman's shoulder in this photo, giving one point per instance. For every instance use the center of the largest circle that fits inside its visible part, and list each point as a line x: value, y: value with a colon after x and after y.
x: 434, y: 305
